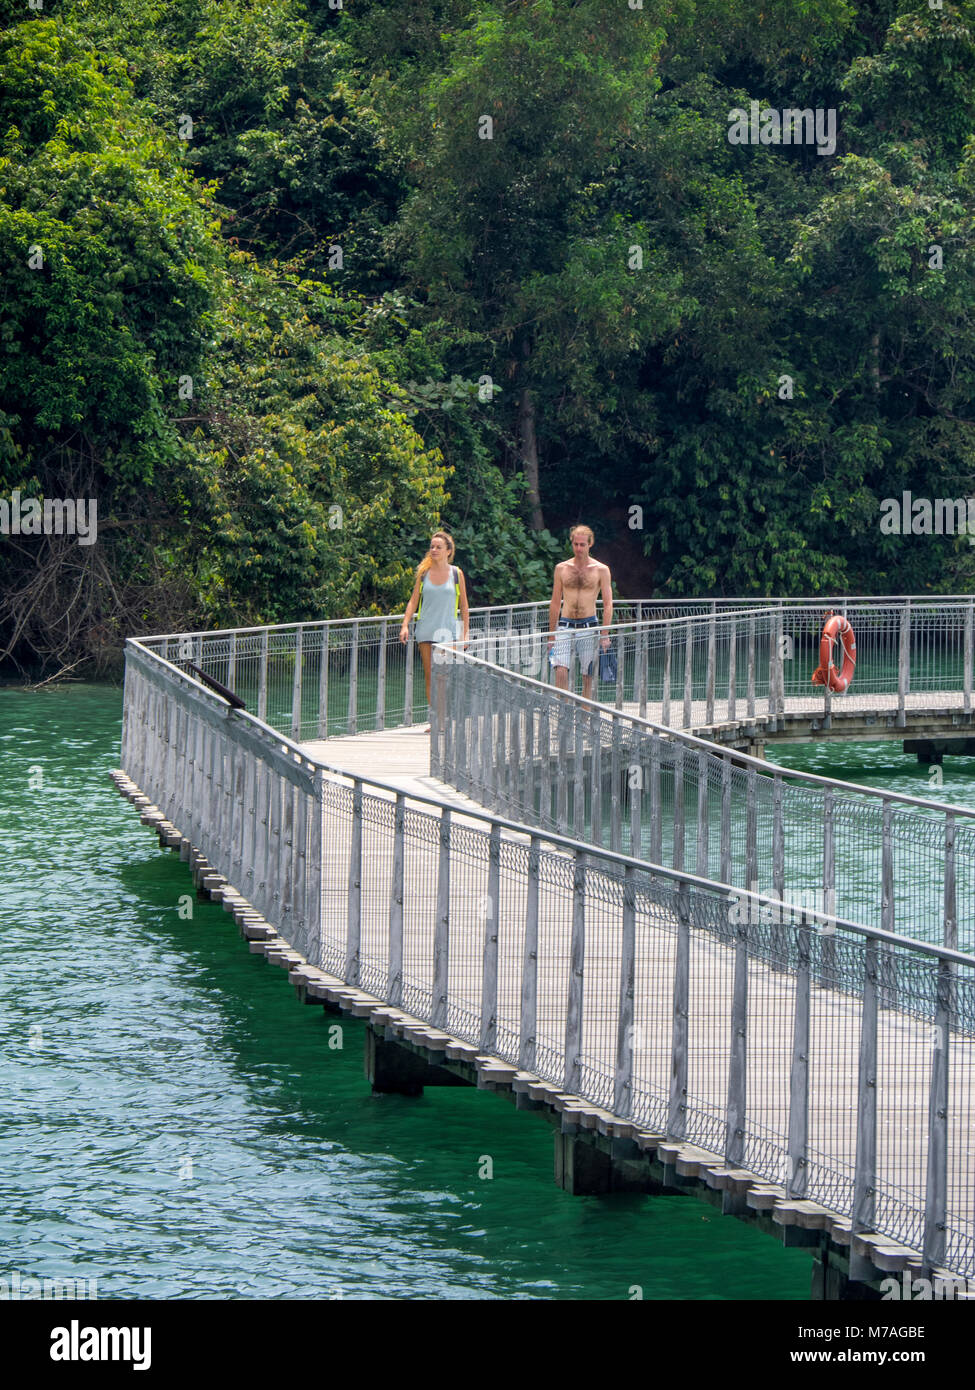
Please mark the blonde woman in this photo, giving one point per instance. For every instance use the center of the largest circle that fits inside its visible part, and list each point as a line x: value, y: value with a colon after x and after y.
x: 440, y: 595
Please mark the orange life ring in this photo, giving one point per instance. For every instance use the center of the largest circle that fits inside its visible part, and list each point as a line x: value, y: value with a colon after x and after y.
x: 826, y: 673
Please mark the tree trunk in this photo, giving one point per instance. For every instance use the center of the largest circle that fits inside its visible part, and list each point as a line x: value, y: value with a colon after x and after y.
x: 528, y: 449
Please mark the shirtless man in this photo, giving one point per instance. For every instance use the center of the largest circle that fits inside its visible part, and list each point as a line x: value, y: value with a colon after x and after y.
x: 574, y: 591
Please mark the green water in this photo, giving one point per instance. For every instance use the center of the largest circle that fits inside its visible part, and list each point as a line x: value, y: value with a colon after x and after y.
x: 174, y: 1124
x: 883, y: 766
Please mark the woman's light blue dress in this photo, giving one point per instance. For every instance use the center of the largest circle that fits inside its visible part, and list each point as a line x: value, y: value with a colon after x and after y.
x: 438, y: 621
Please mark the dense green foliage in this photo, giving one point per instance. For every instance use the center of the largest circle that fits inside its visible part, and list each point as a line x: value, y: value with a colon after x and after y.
x: 286, y: 285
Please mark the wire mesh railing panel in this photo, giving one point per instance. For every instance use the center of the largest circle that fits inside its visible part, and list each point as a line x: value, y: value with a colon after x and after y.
x: 653, y: 1008
x: 602, y: 775
x: 904, y: 1050
x: 834, y: 1043
x: 378, y: 816
x: 601, y: 941
x: 422, y: 847
x: 709, y: 1039
x: 473, y: 908
x: 336, y: 858
x: 770, y: 1030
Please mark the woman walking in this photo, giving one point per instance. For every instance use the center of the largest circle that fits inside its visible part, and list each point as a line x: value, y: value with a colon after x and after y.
x: 439, y: 599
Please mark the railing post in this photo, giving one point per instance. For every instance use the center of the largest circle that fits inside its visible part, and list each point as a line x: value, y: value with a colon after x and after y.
x: 951, y: 907
x: 703, y: 828
x: 865, y: 1168
x: 279, y: 787
x: 967, y: 657
x: 780, y: 688
x: 381, y: 676
x: 734, y: 1148
x: 529, y: 971
x: 827, y: 951
x: 476, y: 750
x: 262, y: 679
x: 529, y: 756
x: 491, y: 917
x: 750, y: 671
x: 562, y: 789
x: 296, y: 689
x: 904, y: 664
x: 351, y: 723
x: 678, y: 806
x: 688, y: 673
x: 797, y: 1171
x: 726, y: 819
x: 712, y: 657
x: 780, y: 955
x: 677, y: 1103
x: 621, y: 642
x: 623, y: 1082
x: 249, y: 829
x: 274, y: 841
x: 501, y: 754
x: 641, y: 671
x: 936, y: 1176
x: 353, y: 927
x: 888, y: 965
x: 323, y: 686
x: 441, y: 940
x: 578, y: 769
x: 616, y: 798
x: 577, y: 962
x: 655, y: 809
x: 732, y: 662
x: 232, y: 662
x: 300, y: 859
x: 545, y: 771
x: 516, y: 763
x: 437, y: 678
x: 665, y: 693
x: 396, y: 895
x: 774, y: 657
x: 288, y: 865
x: 751, y: 830
x: 408, y: 680
x: 596, y: 779
x: 316, y: 843
x: 446, y: 692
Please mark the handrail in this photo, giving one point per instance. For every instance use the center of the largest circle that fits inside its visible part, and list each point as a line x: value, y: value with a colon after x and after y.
x: 542, y: 604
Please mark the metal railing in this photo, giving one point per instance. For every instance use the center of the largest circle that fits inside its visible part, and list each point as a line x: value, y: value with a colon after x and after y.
x: 687, y: 665
x: 343, y: 676
x: 640, y: 988
x: 574, y: 766
x: 692, y: 671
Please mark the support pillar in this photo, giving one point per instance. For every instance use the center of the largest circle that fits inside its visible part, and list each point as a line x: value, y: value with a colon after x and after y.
x: 392, y: 1069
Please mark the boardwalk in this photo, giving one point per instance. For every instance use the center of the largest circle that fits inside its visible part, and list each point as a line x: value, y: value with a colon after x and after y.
x: 799, y: 1063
